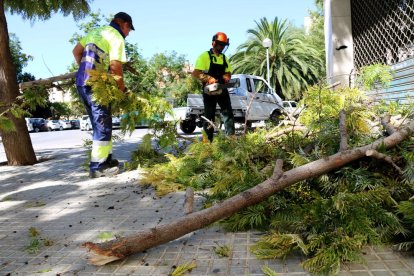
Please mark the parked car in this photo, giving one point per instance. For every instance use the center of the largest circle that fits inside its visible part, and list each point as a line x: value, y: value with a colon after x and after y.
x: 53, y: 125
x: 29, y: 125
x: 85, y: 123
x: 75, y: 124
x: 292, y: 107
x: 39, y: 124
x: 116, y: 122
x: 65, y: 124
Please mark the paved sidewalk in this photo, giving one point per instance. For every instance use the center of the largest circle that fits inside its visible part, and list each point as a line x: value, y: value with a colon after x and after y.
x: 67, y: 209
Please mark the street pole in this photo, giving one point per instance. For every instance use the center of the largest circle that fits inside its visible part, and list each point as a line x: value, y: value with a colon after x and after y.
x: 267, y: 61
x: 267, y: 43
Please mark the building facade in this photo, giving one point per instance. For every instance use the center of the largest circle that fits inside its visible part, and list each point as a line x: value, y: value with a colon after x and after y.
x: 364, y: 32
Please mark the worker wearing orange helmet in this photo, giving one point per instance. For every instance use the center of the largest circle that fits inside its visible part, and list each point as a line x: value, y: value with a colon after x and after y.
x: 213, y: 67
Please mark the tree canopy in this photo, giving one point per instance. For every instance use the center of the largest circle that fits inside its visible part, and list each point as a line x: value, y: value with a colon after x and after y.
x: 43, y: 9
x: 294, y: 63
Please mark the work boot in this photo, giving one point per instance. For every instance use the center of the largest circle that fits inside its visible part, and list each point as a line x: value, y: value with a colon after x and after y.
x: 106, y: 171
x: 112, y: 162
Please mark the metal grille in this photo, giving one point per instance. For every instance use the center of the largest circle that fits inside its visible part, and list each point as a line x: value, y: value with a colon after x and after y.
x: 383, y: 31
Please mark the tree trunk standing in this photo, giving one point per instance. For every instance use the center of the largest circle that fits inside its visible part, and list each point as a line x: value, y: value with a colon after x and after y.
x: 119, y: 248
x: 17, y: 144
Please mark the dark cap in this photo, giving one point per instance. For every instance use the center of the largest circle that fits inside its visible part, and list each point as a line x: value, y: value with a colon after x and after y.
x: 124, y: 16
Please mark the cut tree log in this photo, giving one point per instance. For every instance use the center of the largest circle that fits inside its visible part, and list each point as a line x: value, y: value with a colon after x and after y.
x: 102, y: 253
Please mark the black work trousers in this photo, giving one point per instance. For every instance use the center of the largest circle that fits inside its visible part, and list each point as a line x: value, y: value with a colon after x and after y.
x: 210, y: 106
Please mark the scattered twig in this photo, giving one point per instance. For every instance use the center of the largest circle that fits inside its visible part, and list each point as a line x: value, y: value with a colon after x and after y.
x: 210, y: 122
x: 381, y: 156
x: 385, y: 122
x: 292, y: 129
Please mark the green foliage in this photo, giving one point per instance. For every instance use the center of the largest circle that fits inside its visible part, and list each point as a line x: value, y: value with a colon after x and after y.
x: 373, y: 76
x: 19, y: 59
x: 145, y: 155
x: 29, y: 99
x: 43, y: 9
x: 268, y: 271
x: 221, y: 165
x: 36, y: 241
x: 95, y: 20
x: 182, y: 269
x: 222, y: 250
x: 294, y: 62
x: 276, y: 245
x: 136, y: 107
x: 34, y: 246
x: 332, y: 249
x: 253, y: 217
x: 321, y: 116
x: 406, y: 210
x: 105, y: 236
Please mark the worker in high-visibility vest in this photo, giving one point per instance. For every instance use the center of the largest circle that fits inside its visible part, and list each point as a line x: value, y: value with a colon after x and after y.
x: 102, y: 49
x: 213, y: 67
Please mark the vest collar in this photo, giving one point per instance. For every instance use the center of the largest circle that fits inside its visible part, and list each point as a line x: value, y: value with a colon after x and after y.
x: 116, y: 27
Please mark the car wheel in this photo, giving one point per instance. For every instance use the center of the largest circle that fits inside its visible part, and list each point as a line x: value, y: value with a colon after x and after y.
x: 187, y: 126
x: 36, y: 129
x: 61, y: 128
x: 49, y: 129
x: 88, y: 127
x: 276, y: 117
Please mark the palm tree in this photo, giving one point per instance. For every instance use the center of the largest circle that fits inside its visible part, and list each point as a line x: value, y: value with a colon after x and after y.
x: 17, y: 144
x: 294, y: 63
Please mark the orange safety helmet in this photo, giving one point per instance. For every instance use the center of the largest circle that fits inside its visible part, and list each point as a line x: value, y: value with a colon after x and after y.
x: 222, y: 37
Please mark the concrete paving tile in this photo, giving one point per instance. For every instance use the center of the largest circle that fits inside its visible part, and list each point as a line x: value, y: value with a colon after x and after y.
x: 359, y: 273
x: 278, y: 267
x: 381, y: 273
x: 375, y: 265
x: 386, y: 256
x: 396, y: 265
x: 356, y: 266
x: 237, y: 270
x: 403, y: 272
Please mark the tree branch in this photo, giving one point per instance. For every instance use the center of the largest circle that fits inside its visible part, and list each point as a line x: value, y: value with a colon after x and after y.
x: 343, y: 144
x: 189, y: 200
x: 381, y: 156
x: 210, y: 122
x: 46, y: 82
x: 385, y: 122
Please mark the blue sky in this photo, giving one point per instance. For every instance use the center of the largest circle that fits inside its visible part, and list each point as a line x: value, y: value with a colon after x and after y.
x: 184, y: 26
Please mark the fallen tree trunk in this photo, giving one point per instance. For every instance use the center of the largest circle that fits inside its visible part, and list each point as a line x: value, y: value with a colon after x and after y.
x: 102, y: 253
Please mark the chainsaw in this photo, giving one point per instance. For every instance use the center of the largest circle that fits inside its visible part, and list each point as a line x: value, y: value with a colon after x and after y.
x: 217, y: 88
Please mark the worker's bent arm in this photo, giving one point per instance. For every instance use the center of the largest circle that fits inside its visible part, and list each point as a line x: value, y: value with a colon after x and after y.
x: 116, y: 69
x: 78, y: 52
x: 204, y: 78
